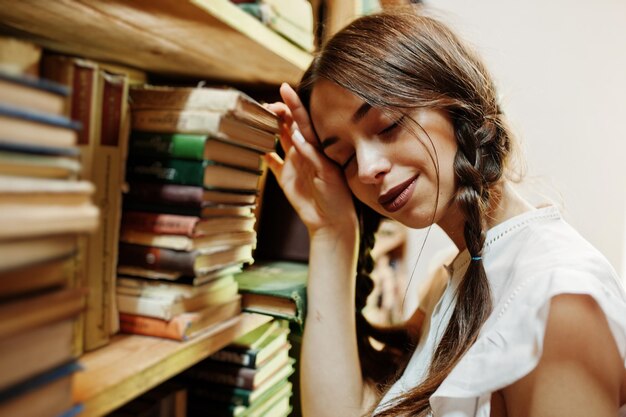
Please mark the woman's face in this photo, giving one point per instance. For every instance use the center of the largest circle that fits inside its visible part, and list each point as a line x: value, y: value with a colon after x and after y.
x: 389, y: 166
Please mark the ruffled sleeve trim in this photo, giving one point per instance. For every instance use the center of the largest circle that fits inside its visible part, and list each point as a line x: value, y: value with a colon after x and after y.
x: 512, y: 344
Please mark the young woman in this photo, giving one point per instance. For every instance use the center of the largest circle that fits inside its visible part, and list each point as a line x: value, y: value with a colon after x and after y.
x: 397, y: 118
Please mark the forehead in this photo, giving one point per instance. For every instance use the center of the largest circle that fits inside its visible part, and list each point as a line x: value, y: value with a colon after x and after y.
x: 332, y: 104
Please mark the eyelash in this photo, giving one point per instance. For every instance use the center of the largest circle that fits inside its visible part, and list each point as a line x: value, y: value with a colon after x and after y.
x: 383, y: 132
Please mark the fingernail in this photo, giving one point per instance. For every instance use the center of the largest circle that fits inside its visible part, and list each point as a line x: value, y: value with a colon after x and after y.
x: 297, y: 135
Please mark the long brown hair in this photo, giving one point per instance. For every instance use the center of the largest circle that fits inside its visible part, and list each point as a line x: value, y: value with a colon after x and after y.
x: 402, y: 60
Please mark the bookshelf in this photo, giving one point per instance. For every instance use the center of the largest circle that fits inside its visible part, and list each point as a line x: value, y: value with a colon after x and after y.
x: 210, y: 39
x: 131, y: 365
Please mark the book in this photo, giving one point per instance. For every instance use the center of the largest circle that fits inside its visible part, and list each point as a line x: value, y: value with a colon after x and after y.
x: 186, y: 263
x: 25, y: 148
x: 39, y: 166
x: 207, y: 174
x: 191, y: 226
x: 36, y: 128
x: 47, y: 394
x: 204, y: 122
x: 167, y: 307
x: 171, y: 276
x: 275, y: 288
x: 227, y: 101
x: 258, y: 336
x: 247, y: 378
x: 172, y: 195
x: 21, y: 253
x: 169, y: 290
x: 32, y: 93
x: 208, y: 392
x: 26, y: 313
x: 34, y: 207
x: 35, y: 277
x: 27, y: 354
x: 202, y: 212
x: 18, y: 56
x: 214, y: 242
x: 190, y: 146
x: 253, y: 357
x: 263, y: 406
x: 184, y: 326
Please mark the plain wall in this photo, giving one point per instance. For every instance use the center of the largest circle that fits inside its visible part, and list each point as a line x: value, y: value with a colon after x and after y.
x: 560, y: 67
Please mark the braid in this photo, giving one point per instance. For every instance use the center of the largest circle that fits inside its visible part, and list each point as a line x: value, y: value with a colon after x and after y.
x: 376, y: 366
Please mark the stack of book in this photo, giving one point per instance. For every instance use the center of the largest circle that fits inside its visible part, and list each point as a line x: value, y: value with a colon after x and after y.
x: 43, y: 210
x: 248, y: 378
x: 193, y: 172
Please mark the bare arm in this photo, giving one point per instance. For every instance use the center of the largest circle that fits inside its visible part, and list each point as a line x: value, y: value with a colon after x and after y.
x: 580, y: 372
x: 330, y: 369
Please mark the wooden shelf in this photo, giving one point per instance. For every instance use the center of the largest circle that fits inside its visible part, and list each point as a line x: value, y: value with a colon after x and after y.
x: 210, y: 39
x: 131, y: 365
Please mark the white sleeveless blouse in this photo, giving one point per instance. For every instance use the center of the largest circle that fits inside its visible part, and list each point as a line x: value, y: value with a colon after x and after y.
x: 528, y: 260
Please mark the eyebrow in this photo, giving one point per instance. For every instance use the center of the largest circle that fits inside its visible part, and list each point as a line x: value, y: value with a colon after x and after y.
x: 356, y: 117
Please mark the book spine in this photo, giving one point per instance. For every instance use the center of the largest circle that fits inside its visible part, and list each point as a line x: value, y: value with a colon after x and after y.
x: 179, y: 195
x: 168, y: 224
x: 222, y: 393
x: 157, y: 258
x: 173, y: 329
x: 238, y: 377
x: 171, y: 171
x: 177, y: 145
x: 162, y: 208
x: 247, y: 359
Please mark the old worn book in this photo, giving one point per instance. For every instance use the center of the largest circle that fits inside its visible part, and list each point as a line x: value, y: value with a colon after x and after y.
x: 212, y: 242
x: 47, y: 394
x: 26, y: 313
x: 185, y: 196
x: 21, y: 253
x: 38, y: 166
x: 32, y: 207
x: 202, y: 212
x: 184, y: 326
x: 158, y: 289
x: 35, y: 277
x: 275, y: 288
x: 29, y: 353
x: 166, y: 307
x: 204, y: 122
x: 190, y: 146
x: 193, y: 263
x: 36, y: 128
x: 175, y: 277
x: 32, y: 93
x: 256, y: 356
x: 207, y: 174
x: 227, y: 101
x: 214, y: 372
x: 191, y: 226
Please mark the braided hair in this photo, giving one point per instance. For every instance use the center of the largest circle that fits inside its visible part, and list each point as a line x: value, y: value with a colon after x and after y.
x: 417, y: 62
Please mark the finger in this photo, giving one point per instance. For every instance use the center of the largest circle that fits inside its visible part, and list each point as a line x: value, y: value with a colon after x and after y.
x: 282, y: 111
x: 299, y: 114
x: 274, y: 162
x: 310, y: 153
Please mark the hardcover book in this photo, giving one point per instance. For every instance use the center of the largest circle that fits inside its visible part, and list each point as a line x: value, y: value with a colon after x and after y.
x: 205, y: 243
x: 185, y: 225
x: 36, y: 128
x: 197, y: 147
x: 228, y: 101
x: 31, y: 93
x: 207, y: 174
x: 204, y: 122
x: 202, y: 212
x: 275, y: 288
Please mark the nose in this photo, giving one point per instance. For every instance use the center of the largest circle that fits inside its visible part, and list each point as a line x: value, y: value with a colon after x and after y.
x: 372, y: 162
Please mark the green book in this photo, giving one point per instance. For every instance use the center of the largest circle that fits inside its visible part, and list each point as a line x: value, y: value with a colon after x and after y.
x: 193, y: 146
x: 275, y: 288
x: 208, y: 174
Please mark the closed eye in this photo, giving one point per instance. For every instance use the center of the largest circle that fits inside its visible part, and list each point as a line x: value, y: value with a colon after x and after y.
x: 389, y: 129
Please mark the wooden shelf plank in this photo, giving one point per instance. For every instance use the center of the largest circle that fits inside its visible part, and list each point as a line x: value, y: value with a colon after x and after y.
x: 210, y: 39
x: 131, y: 365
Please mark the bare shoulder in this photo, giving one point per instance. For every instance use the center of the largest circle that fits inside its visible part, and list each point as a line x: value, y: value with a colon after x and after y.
x: 580, y: 372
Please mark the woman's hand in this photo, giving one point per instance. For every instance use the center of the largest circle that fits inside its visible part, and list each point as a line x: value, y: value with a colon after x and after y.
x: 313, y: 184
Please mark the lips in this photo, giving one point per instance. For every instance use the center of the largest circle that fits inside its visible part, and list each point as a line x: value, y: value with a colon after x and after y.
x: 398, y: 196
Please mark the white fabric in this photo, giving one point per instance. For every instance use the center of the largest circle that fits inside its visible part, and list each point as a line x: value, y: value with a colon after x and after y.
x: 528, y: 260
